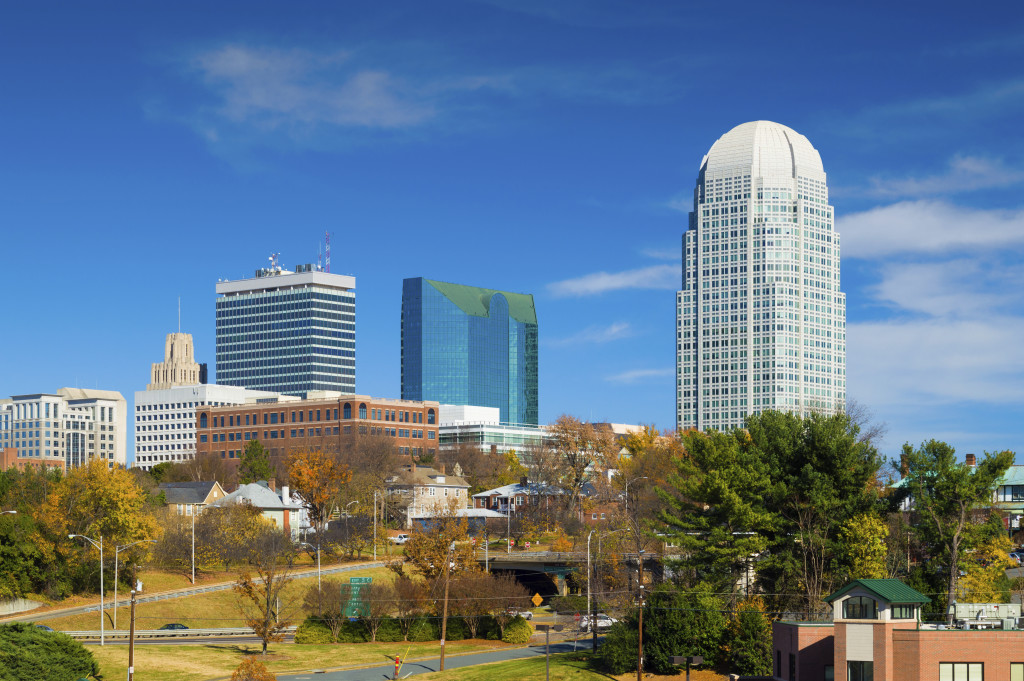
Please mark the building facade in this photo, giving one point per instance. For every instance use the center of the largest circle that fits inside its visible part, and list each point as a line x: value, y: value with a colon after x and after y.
x: 287, y: 332
x: 481, y: 427
x: 323, y: 420
x: 165, y: 419
x: 876, y: 634
x: 761, y: 319
x: 424, y: 492
x: 66, y: 429
x: 465, y: 345
x: 179, y: 366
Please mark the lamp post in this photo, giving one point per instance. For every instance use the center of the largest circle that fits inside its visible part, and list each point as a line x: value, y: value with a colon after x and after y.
x: 375, y: 524
x: 100, y: 547
x: 193, y: 544
x: 547, y: 629
x: 117, y: 551
x: 592, y: 614
x: 640, y: 645
x: 628, y: 483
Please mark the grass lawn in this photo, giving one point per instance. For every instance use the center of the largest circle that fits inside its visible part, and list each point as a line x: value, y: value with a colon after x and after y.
x: 202, y: 611
x: 564, y: 666
x: 208, y: 661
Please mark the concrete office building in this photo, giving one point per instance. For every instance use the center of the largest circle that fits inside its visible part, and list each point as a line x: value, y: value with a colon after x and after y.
x: 287, y: 332
x: 67, y: 428
x: 761, y: 319
x: 466, y: 345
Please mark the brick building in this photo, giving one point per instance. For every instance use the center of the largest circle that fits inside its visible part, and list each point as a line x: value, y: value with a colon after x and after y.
x: 324, y: 420
x: 876, y: 635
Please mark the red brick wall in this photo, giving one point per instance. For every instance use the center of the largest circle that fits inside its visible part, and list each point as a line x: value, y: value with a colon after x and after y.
x: 812, y: 645
x: 918, y: 653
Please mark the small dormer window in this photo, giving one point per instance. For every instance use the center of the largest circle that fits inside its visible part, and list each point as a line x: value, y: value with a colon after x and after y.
x: 860, y: 608
x: 902, y: 611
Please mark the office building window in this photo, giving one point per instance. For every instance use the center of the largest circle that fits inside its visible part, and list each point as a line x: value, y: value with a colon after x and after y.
x: 860, y: 671
x: 960, y: 671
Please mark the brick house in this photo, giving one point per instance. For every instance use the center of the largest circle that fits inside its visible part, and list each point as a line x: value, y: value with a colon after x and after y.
x: 876, y: 634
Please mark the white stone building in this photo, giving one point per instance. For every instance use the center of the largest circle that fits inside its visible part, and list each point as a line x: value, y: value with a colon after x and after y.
x: 69, y: 427
x: 761, y: 319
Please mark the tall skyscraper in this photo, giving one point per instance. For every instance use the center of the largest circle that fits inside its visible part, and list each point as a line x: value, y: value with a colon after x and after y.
x: 466, y: 345
x: 287, y: 332
x: 179, y: 366
x: 761, y: 320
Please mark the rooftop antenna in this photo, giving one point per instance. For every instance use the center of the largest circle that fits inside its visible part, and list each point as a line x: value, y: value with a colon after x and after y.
x: 328, y: 261
x: 319, y: 258
x: 273, y: 261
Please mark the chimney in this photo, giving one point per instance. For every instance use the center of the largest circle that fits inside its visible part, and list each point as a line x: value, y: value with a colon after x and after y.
x: 971, y: 461
x: 442, y: 469
x: 272, y: 484
x: 524, y: 481
x: 284, y: 495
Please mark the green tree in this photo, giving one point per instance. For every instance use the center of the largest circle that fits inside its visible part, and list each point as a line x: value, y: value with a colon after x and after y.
x: 255, y: 464
x: 31, y: 654
x: 862, y: 541
x: 714, y: 510
x: 748, y: 639
x: 952, y: 502
x: 822, y: 474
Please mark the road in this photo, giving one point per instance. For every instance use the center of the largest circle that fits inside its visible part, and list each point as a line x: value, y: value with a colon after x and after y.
x: 33, y: 616
x: 431, y: 665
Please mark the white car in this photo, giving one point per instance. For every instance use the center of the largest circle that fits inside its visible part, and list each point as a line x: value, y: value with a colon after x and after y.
x: 601, y: 621
x: 525, y: 614
x: 399, y: 539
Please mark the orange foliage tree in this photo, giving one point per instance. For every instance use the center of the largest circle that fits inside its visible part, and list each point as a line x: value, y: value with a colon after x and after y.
x: 316, y: 477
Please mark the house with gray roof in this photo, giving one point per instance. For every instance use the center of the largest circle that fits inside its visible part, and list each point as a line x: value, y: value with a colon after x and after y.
x: 279, y: 508
x: 191, y: 497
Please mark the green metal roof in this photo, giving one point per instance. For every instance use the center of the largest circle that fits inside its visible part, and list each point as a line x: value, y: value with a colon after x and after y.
x: 476, y: 301
x: 889, y: 590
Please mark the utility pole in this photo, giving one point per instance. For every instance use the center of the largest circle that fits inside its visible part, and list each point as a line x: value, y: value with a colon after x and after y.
x: 444, y: 616
x: 131, y: 642
x: 640, y: 646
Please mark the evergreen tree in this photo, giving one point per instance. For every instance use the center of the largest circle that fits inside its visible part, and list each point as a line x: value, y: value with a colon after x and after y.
x: 255, y: 463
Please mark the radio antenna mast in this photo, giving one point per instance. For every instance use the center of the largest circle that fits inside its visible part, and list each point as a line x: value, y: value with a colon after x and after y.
x: 328, y: 260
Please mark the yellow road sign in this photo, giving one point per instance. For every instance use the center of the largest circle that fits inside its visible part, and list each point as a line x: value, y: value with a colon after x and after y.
x: 537, y: 600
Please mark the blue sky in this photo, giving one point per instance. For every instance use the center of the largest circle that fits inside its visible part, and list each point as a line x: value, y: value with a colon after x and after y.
x: 542, y: 147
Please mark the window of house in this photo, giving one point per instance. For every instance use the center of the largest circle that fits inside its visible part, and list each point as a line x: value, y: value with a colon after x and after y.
x: 860, y: 671
x: 778, y: 663
x: 362, y: 411
x: 830, y: 673
x: 431, y: 491
x: 347, y: 411
x: 903, y: 611
x: 860, y: 608
x: 593, y: 516
x: 1017, y: 671
x: 430, y: 416
x: 792, y: 668
x: 959, y: 671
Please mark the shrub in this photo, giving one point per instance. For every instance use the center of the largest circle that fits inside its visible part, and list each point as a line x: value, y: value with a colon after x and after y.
x: 31, y: 654
x: 617, y: 653
x: 569, y: 604
x: 748, y: 640
x: 313, y: 631
x: 518, y: 631
x: 252, y: 669
x: 424, y: 629
x: 353, y: 632
x: 390, y: 631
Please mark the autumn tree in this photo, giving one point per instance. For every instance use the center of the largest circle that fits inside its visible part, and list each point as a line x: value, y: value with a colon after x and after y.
x: 581, y: 447
x: 410, y: 600
x: 507, y: 597
x: 317, y: 477
x: 331, y: 600
x: 441, y: 542
x: 252, y: 669
x: 471, y: 596
x: 950, y: 501
x: 380, y: 603
x: 255, y: 463
x: 862, y: 541
x: 984, y: 579
x: 261, y: 589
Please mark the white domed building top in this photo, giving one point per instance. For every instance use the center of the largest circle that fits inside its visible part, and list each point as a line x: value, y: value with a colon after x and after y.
x: 766, y: 149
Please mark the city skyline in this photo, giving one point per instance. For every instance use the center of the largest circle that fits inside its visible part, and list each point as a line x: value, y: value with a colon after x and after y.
x: 546, y: 147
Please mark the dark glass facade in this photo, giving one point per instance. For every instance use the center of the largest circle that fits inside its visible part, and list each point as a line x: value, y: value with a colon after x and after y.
x: 470, y: 346
x: 288, y: 340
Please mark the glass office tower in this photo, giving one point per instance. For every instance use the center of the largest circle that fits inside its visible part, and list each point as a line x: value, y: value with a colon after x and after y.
x: 287, y: 332
x: 761, y: 322
x: 466, y: 345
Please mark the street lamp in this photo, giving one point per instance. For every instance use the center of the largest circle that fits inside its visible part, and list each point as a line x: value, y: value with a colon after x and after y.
x: 628, y: 482
x: 640, y: 644
x: 117, y: 551
x: 547, y: 629
x: 100, y: 547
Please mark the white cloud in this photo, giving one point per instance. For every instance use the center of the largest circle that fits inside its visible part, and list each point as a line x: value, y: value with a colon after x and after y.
x: 595, y: 334
x: 637, y: 375
x: 928, y: 227
x: 663, y: 253
x: 666, y: 277
x: 965, y: 173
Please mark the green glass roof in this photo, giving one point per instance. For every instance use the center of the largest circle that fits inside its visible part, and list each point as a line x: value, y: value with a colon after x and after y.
x: 476, y: 301
x: 889, y: 590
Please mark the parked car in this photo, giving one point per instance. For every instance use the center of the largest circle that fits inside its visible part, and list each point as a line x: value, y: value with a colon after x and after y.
x: 601, y: 621
x: 525, y: 614
x: 173, y: 626
x: 43, y: 627
x: 399, y: 539
x: 1017, y: 557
